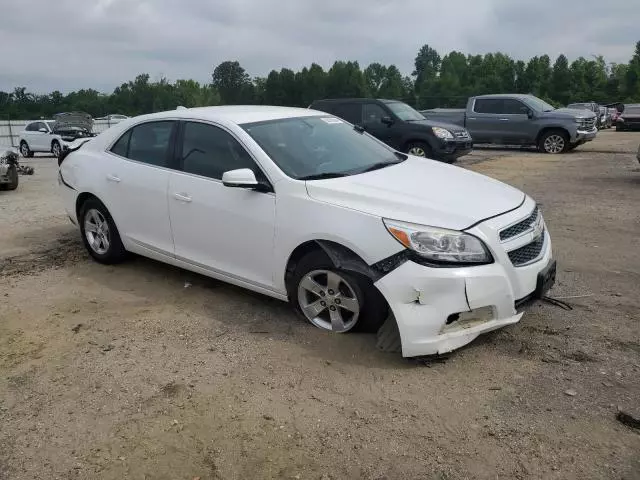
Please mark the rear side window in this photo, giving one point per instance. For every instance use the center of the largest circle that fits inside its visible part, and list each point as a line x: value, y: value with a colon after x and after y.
x: 488, y: 105
x: 32, y: 127
x: 121, y: 147
x: 351, y: 112
x: 147, y: 143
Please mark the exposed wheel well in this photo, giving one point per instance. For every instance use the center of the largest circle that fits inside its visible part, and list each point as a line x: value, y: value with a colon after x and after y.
x: 54, y: 141
x: 548, y: 129
x: 83, y: 197
x: 341, y: 256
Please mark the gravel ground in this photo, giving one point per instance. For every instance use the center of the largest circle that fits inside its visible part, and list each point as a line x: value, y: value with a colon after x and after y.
x: 144, y: 371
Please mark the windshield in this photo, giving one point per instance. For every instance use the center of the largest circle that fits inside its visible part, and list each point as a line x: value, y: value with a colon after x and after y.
x: 404, y: 112
x: 538, y: 105
x: 319, y: 147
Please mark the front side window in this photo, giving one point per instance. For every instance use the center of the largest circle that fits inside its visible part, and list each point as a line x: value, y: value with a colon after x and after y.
x: 209, y: 151
x: 32, y: 127
x: 373, y: 113
x: 305, y: 148
x: 514, y: 107
x: 405, y: 112
x: 146, y: 143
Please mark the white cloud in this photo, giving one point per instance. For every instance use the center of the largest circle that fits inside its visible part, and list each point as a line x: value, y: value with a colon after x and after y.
x: 71, y: 44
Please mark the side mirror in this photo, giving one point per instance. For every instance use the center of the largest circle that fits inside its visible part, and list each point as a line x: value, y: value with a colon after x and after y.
x: 387, y: 120
x: 530, y: 114
x: 243, y: 178
x: 43, y: 130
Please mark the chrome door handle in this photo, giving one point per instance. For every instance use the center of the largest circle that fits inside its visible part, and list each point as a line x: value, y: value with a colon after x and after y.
x: 504, y: 119
x: 113, y: 178
x: 182, y: 197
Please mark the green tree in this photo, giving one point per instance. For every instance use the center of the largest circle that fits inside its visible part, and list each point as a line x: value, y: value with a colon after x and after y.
x: 232, y: 83
x: 561, y: 80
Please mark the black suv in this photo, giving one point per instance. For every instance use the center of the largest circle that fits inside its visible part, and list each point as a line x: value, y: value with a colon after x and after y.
x: 401, y: 127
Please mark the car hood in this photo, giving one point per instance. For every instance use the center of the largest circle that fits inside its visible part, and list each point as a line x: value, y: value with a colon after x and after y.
x: 421, y: 191
x: 419, y: 124
x: 68, y: 120
x: 569, y: 113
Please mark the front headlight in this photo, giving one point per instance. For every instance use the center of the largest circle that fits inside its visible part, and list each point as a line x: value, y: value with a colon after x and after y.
x: 438, y: 244
x: 442, y: 133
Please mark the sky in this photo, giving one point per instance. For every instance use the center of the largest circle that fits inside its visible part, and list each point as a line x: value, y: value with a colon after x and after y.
x: 71, y: 44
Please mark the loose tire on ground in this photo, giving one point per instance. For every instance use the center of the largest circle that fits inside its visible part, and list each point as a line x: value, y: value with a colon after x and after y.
x: 100, y: 234
x: 355, y: 292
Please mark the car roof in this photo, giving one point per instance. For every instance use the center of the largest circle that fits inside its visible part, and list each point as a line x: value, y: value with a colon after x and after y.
x: 506, y: 95
x: 238, y: 114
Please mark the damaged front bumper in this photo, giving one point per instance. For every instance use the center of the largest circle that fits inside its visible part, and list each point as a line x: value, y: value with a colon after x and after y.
x: 438, y: 310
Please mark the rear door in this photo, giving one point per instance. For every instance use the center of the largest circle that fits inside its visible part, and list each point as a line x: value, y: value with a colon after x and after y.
x: 135, y: 185
x: 485, y: 122
x: 224, y: 230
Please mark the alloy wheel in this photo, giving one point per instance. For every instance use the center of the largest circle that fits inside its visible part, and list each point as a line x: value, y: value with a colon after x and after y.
x: 554, y: 144
x: 328, y: 301
x: 24, y: 150
x: 417, y: 151
x: 55, y: 149
x: 96, y: 230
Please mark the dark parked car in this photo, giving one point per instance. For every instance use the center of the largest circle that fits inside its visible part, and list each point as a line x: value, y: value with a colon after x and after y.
x: 629, y: 119
x: 401, y: 127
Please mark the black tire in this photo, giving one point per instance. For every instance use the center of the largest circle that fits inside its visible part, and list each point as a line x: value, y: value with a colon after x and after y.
x: 373, y: 307
x: 554, y: 142
x: 12, y: 173
x: 619, y: 128
x: 56, y: 149
x: 115, y: 253
x: 25, y: 151
x: 415, y: 148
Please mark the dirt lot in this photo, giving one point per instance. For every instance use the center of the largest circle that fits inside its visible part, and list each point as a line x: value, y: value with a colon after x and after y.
x: 144, y: 371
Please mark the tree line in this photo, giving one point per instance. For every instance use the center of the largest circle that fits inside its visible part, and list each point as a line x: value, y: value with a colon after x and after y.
x: 437, y: 81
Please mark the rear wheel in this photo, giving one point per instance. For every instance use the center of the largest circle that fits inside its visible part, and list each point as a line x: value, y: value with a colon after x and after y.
x: 333, y: 299
x: 554, y: 142
x: 100, y: 234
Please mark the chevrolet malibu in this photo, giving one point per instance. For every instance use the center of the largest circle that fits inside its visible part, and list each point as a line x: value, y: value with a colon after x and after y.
x: 304, y: 207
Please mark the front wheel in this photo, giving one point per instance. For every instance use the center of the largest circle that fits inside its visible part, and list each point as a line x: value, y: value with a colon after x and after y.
x: 25, y: 151
x: 56, y: 150
x: 100, y: 234
x: 333, y: 299
x: 553, y: 142
x: 419, y: 149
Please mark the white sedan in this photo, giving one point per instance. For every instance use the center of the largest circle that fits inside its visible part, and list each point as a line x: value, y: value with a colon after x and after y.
x: 301, y: 206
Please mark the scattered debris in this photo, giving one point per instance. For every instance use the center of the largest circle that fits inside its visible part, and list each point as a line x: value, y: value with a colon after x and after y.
x: 267, y: 417
x: 495, y: 389
x: 607, y: 384
x: 108, y: 348
x: 187, y: 284
x: 25, y: 170
x: 77, y: 328
x: 557, y: 303
x: 628, y: 419
x: 571, y: 392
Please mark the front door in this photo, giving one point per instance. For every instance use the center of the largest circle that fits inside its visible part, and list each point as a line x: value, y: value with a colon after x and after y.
x: 225, y: 230
x: 517, y: 127
x: 135, y: 182
x: 372, y: 116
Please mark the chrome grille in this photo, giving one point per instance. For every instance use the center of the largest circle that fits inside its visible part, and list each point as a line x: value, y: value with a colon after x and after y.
x: 528, y: 253
x: 588, y: 123
x: 520, y: 227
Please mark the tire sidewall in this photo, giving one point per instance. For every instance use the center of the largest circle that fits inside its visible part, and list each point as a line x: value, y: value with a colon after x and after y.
x: 29, y: 153
x: 373, y: 307
x: 116, y: 252
x: 424, y: 145
x: 53, y: 145
x: 550, y: 133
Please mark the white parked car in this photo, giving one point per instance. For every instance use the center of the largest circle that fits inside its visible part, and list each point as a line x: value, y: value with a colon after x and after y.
x: 301, y: 206
x: 113, y: 119
x: 52, y: 136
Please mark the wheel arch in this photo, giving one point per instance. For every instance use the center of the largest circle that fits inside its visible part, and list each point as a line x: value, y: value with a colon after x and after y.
x: 415, y: 139
x: 341, y: 256
x: 86, y: 195
x: 550, y: 128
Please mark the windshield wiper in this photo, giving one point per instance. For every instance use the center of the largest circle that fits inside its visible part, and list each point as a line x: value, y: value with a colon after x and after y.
x: 323, y: 176
x: 380, y: 165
